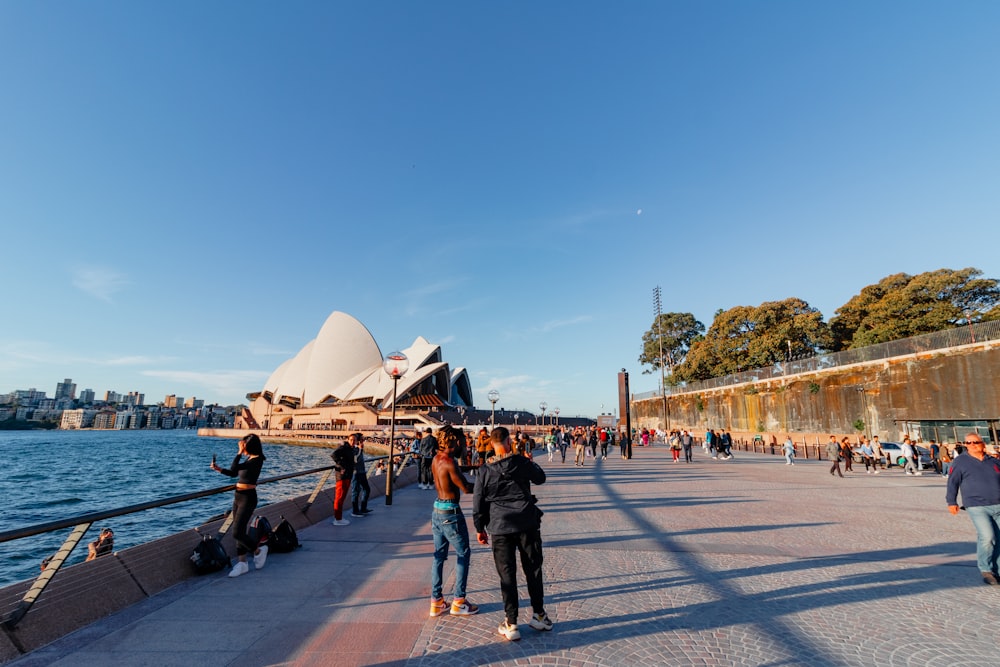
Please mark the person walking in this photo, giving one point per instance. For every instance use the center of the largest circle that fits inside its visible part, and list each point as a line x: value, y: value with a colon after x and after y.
x: 563, y: 443
x: 846, y: 454
x: 247, y: 472
x: 833, y: 451
x: 603, y: 440
x: 551, y: 442
x: 909, y: 454
x: 878, y: 453
x: 976, y: 475
x: 580, y: 446
x: 789, y: 450
x: 687, y: 442
x: 675, y: 446
x: 360, y: 489
x: 504, y: 509
x: 343, y: 473
x: 448, y: 526
x: 868, y: 456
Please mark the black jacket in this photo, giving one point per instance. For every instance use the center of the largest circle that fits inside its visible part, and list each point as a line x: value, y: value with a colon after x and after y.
x: 501, y: 498
x: 343, y: 461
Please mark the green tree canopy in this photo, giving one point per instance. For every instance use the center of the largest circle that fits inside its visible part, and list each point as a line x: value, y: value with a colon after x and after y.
x: 676, y: 332
x: 900, y: 305
x: 747, y: 337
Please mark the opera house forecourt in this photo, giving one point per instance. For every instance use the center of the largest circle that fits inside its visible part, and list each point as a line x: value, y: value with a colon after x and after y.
x: 337, y: 382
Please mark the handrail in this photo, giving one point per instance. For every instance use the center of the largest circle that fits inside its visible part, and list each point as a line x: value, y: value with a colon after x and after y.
x: 93, y: 517
x: 82, y: 523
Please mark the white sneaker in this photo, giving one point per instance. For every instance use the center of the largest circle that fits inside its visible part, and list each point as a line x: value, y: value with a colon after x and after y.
x: 509, y: 631
x: 238, y: 569
x: 340, y: 522
x: 259, y: 558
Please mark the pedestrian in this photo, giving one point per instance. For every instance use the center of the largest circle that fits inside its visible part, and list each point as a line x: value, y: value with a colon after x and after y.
x: 551, y: 442
x: 847, y: 454
x: 675, y: 446
x: 602, y: 438
x: 833, y: 451
x: 687, y: 442
x: 563, y: 443
x: 789, y: 450
x: 247, y: 472
x: 908, y: 452
x: 360, y: 489
x: 878, y: 453
x: 580, y: 446
x: 868, y: 456
x: 448, y: 525
x: 343, y: 473
x: 726, y: 440
x: 428, y: 447
x: 946, y: 460
x: 977, y: 475
x: 592, y: 441
x: 483, y: 446
x: 504, y: 509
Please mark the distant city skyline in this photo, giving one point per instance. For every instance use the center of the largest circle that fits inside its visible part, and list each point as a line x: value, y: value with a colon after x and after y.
x: 188, y: 190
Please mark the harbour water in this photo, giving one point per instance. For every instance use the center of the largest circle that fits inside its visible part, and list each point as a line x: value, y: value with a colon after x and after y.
x: 51, y: 475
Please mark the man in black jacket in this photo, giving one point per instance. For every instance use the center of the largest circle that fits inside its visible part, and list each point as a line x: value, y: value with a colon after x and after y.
x: 428, y: 448
x: 343, y: 467
x: 502, y: 506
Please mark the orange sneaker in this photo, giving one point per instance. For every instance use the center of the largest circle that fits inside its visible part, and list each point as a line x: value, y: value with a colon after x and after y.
x: 438, y: 606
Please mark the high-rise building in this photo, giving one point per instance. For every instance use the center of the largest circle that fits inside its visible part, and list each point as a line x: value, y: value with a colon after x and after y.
x: 112, y: 397
x: 196, y: 403
x: 87, y: 396
x: 65, y: 390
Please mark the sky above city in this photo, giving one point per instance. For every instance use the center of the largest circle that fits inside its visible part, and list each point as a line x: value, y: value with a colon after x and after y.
x: 189, y: 189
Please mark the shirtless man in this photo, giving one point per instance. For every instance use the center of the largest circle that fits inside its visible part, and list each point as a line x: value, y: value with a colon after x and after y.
x: 448, y: 524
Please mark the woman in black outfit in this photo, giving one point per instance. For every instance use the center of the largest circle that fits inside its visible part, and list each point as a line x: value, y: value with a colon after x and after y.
x: 245, y: 501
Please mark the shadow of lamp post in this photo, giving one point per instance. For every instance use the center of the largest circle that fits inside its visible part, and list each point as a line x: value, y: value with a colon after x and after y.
x: 395, y: 366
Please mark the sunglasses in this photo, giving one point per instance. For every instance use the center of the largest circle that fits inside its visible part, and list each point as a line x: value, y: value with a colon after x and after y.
x: 973, y: 442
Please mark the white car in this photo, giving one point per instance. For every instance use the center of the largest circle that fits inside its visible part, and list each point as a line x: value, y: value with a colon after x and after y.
x: 893, y: 452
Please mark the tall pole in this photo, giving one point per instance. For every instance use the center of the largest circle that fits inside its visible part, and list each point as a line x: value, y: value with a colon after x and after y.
x: 658, y: 304
x: 628, y: 418
x: 392, y: 442
x: 494, y: 396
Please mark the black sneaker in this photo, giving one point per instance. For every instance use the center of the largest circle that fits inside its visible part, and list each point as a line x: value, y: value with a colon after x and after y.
x: 367, y: 511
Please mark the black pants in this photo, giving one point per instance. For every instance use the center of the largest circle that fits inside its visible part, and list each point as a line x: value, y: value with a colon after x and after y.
x: 244, y: 503
x: 836, y: 467
x: 687, y: 454
x: 424, y: 474
x: 505, y: 549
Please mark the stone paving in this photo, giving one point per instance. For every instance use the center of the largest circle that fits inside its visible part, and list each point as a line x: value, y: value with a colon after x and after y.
x: 647, y: 562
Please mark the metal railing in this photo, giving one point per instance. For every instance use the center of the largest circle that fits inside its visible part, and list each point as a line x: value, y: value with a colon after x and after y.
x: 963, y: 335
x: 82, y: 523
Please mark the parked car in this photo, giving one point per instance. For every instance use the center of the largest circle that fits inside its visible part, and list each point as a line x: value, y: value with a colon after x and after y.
x: 893, y: 452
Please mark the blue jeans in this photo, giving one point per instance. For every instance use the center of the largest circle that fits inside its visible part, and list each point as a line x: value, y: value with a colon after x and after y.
x: 450, y: 528
x: 986, y: 519
x: 360, y: 491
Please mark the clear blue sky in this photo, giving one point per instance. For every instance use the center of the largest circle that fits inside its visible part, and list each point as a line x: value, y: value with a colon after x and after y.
x: 188, y: 189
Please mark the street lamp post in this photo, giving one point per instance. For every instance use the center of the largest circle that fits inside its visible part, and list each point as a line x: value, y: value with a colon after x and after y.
x: 555, y: 411
x: 543, y: 406
x: 864, y: 405
x: 395, y: 366
x: 494, y: 396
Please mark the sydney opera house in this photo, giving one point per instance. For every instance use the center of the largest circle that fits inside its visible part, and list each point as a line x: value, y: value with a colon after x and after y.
x: 336, y: 381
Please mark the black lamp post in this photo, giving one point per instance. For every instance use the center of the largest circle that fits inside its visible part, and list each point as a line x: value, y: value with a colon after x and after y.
x: 543, y: 406
x: 394, y: 365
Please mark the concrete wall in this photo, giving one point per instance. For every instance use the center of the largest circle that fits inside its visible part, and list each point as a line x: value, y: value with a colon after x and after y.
x: 86, y: 592
x: 959, y: 383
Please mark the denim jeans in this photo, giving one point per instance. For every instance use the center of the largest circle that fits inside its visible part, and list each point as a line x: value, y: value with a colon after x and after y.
x: 505, y: 549
x: 360, y: 491
x: 450, y: 528
x: 986, y: 519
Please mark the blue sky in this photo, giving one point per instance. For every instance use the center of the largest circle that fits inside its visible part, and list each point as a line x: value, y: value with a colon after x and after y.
x: 188, y: 190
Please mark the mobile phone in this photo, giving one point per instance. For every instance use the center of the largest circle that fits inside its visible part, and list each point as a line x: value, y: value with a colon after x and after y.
x: 213, y: 458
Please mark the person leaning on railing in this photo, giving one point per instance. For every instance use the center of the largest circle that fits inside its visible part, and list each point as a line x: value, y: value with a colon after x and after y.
x: 102, y: 546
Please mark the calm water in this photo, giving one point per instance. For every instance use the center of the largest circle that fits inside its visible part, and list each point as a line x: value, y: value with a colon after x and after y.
x: 50, y: 475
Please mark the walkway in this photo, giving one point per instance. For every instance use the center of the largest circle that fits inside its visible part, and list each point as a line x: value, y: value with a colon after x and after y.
x: 742, y: 562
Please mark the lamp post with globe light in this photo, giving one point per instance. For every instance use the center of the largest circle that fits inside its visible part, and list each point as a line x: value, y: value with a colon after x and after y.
x: 543, y: 406
x: 395, y: 366
x: 555, y: 411
x: 494, y: 396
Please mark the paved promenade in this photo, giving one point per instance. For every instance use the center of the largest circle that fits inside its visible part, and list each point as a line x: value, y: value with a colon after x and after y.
x: 742, y: 562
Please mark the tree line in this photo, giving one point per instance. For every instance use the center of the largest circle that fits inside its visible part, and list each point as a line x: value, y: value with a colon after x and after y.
x: 745, y: 337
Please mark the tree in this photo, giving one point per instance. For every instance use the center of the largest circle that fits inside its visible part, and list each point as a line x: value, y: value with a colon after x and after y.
x: 747, y: 337
x: 900, y: 306
x: 676, y: 332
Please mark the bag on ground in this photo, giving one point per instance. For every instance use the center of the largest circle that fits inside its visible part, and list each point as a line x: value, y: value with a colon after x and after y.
x: 209, y: 556
x: 259, y: 530
x: 283, y: 538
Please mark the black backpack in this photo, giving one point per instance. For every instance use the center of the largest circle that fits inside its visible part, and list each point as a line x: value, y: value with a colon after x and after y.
x: 259, y: 530
x: 283, y: 538
x: 209, y: 556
